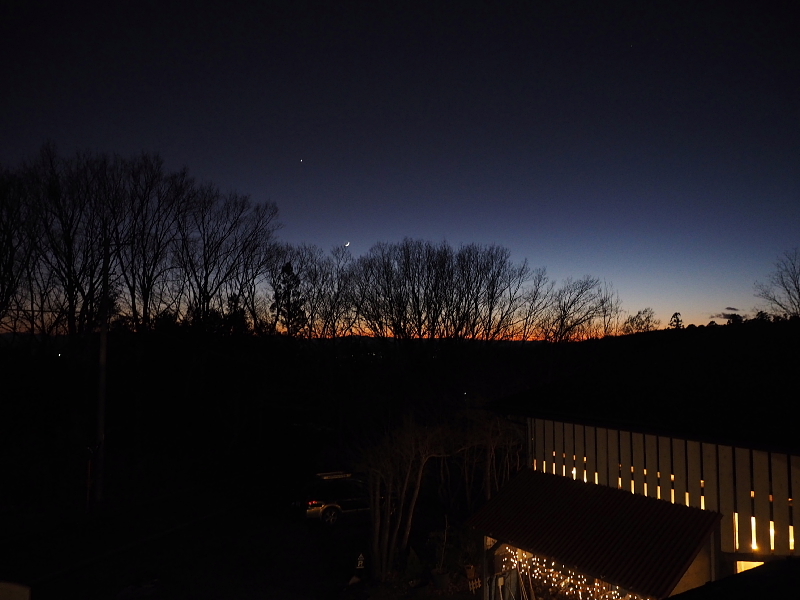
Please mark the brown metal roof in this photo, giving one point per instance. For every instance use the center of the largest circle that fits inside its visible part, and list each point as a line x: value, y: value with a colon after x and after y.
x: 641, y: 544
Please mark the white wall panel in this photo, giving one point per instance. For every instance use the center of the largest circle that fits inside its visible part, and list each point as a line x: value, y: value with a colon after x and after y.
x: 637, y: 448
x: 590, y: 441
x: 623, y: 458
x: 580, y: 453
x: 726, y: 497
x: 538, y: 443
x: 558, y: 438
x: 603, y: 458
x: 529, y: 423
x: 794, y: 490
x: 569, y: 449
x: 744, y: 503
x: 761, y: 500
x: 651, y: 464
x: 694, y: 472
x: 664, y: 481
x: 780, y: 501
x: 679, y: 470
x: 549, y: 445
x: 711, y: 477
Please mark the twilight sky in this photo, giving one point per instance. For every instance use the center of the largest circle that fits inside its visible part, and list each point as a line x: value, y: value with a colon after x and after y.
x: 655, y: 145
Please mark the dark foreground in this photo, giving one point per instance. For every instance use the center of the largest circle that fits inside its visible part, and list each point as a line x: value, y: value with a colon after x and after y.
x: 225, y: 543
x: 220, y: 547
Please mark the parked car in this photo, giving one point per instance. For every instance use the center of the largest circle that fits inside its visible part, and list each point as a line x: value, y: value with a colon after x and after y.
x: 332, y: 495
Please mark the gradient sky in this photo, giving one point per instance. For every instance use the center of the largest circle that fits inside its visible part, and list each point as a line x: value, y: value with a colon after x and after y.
x: 654, y: 145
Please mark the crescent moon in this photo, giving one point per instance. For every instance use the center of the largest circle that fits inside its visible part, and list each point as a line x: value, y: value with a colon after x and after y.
x: 346, y: 244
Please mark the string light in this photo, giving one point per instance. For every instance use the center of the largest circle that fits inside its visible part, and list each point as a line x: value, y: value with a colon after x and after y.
x: 539, y: 574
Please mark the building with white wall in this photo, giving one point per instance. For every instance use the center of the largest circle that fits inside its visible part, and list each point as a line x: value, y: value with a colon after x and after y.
x: 726, y: 449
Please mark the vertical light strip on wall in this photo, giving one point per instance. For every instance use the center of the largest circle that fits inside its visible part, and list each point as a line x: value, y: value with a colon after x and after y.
x: 772, y: 536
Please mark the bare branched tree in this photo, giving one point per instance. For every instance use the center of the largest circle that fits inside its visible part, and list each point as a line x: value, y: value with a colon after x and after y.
x: 339, y: 310
x: 16, y: 239
x: 325, y: 286
x: 73, y: 200
x: 315, y: 273
x: 485, y: 449
x: 166, y: 248
x: 536, y: 301
x: 396, y: 465
x: 145, y: 235
x: 502, y: 293
x: 644, y: 320
x: 381, y: 304
x: 781, y: 291
x: 610, y: 311
x: 418, y: 289
x: 574, y: 307
x: 217, y: 237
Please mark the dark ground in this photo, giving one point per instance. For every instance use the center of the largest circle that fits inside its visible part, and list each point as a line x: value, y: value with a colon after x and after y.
x: 246, y: 421
x: 208, y: 443
x: 228, y: 542
x: 250, y: 549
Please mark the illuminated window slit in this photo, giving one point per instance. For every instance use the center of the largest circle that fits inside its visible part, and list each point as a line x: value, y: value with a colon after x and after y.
x: 772, y: 535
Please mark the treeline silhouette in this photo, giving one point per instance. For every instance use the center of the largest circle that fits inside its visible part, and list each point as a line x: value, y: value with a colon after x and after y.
x: 97, y: 238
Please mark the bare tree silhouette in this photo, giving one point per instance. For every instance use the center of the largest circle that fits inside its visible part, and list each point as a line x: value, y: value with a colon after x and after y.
x: 781, y: 291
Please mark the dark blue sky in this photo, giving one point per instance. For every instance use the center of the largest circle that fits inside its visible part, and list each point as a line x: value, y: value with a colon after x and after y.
x: 654, y: 145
